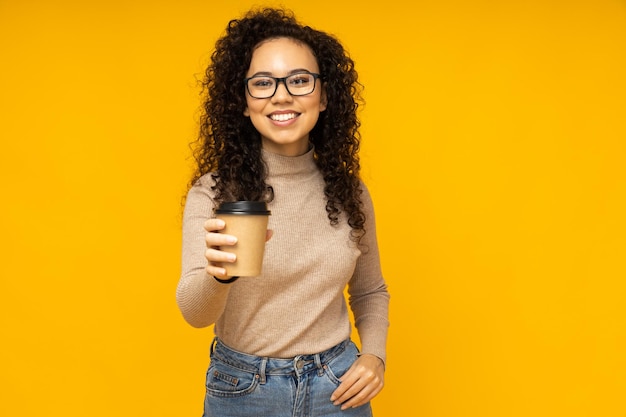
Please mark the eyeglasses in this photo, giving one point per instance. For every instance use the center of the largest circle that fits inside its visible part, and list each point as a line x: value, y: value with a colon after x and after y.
x: 264, y: 86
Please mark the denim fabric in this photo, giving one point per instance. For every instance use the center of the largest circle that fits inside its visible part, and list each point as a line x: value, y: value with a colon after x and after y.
x: 242, y: 385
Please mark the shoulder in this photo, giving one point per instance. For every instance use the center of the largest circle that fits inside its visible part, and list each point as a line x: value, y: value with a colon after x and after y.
x: 201, y: 191
x: 366, y: 197
x: 203, y: 184
x: 206, y: 180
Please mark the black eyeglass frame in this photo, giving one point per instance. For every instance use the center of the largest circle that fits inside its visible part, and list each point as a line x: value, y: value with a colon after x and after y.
x: 283, y: 80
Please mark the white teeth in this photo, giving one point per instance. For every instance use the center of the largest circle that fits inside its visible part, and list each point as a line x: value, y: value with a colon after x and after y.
x: 283, y: 117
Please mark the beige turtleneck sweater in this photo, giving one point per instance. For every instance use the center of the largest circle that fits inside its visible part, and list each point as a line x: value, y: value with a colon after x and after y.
x: 297, y: 305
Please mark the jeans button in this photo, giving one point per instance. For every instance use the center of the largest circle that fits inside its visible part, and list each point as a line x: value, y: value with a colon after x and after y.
x: 300, y: 364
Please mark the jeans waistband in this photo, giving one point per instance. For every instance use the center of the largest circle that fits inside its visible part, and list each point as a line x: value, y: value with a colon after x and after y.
x: 264, y: 366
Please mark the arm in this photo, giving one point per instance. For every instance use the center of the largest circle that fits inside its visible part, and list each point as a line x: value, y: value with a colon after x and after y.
x: 369, y: 298
x: 201, y: 299
x: 369, y: 301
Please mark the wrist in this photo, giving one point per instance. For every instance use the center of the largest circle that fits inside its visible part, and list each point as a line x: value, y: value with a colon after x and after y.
x: 381, y: 360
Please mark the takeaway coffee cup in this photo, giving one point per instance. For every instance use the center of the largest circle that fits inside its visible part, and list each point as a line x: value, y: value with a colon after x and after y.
x: 247, y: 221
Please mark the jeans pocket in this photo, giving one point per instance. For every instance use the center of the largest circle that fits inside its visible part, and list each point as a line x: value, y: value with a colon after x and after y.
x: 223, y: 380
x: 336, y: 367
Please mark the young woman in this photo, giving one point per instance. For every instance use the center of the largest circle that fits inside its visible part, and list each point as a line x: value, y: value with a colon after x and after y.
x: 280, y: 125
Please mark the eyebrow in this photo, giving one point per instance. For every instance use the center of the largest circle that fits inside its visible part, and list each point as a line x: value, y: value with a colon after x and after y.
x: 269, y: 74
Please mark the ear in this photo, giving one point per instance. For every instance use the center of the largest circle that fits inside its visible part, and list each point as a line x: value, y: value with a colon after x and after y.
x: 323, y: 98
x: 246, y: 112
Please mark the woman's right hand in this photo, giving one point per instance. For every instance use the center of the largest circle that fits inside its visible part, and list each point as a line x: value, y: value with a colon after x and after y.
x: 215, y: 241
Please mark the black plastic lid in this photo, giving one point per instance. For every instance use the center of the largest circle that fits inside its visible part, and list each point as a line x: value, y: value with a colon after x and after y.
x: 243, y: 207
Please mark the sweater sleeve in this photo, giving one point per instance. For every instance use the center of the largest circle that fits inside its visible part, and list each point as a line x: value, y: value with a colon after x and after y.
x: 368, y: 295
x: 200, y: 298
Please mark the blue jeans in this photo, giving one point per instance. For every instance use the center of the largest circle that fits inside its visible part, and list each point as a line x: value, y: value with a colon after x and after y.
x: 242, y: 385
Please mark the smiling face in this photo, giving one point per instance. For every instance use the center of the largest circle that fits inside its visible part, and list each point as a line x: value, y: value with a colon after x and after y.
x: 284, y: 121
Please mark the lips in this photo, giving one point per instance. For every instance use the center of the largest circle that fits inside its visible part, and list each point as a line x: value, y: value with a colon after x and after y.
x: 283, y: 117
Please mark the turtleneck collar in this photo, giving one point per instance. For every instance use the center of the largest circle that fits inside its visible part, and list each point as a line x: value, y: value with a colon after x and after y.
x: 290, y: 166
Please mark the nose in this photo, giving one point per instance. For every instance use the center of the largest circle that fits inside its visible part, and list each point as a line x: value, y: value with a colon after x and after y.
x: 281, y: 94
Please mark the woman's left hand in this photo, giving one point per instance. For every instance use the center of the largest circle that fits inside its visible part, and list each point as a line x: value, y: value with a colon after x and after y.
x: 360, y: 383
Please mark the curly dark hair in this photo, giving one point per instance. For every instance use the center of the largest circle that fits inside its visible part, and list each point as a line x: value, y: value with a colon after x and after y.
x: 228, y: 145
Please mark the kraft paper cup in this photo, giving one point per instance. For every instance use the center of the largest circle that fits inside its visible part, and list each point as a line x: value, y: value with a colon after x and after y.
x: 247, y: 220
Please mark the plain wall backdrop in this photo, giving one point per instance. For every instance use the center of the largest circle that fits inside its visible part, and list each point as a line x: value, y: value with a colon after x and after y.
x: 493, y: 144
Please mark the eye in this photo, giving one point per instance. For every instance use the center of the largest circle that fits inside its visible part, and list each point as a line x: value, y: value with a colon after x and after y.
x: 299, y: 80
x: 261, y: 82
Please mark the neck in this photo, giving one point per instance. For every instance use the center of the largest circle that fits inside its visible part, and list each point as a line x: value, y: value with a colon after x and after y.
x: 292, y: 167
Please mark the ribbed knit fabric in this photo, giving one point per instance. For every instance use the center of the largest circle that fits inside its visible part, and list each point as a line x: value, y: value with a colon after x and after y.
x: 297, y: 305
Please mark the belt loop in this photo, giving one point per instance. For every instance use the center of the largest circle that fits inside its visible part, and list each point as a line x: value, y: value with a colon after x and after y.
x: 262, y: 370
x: 318, y: 363
x: 213, y: 342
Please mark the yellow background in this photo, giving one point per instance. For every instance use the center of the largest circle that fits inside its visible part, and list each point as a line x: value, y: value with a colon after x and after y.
x: 494, y: 146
